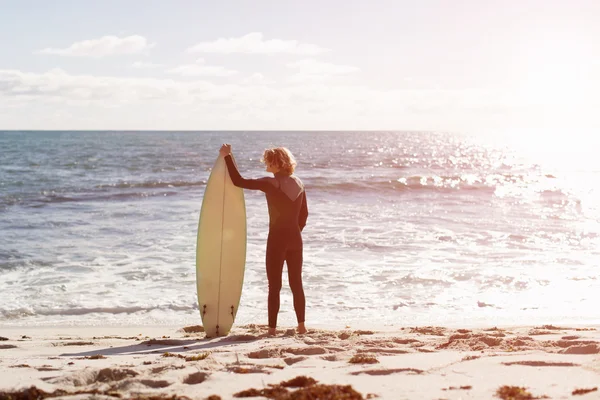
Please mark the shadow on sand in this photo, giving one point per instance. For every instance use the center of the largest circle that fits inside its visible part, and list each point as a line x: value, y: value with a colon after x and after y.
x: 154, y: 346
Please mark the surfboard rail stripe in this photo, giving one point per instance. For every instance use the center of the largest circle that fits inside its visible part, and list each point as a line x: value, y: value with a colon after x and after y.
x: 221, y: 249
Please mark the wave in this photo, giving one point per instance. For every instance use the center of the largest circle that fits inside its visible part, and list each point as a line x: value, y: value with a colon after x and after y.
x: 151, y: 184
x: 14, y: 259
x: 337, y: 184
x: 45, y: 199
x: 412, y: 183
x: 104, y: 197
x: 104, y: 192
x: 78, y: 311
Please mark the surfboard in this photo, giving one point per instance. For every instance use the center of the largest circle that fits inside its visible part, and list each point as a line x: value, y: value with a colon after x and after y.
x: 220, y: 251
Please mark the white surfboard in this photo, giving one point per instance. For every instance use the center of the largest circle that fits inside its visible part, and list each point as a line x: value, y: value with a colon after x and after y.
x: 220, y: 251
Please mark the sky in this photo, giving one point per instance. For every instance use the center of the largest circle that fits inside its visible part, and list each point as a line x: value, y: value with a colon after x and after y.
x: 460, y: 65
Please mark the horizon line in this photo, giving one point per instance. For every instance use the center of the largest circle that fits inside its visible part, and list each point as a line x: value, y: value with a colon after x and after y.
x: 232, y: 130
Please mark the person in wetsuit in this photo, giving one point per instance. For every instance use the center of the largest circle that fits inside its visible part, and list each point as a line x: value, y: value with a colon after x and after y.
x: 288, y: 211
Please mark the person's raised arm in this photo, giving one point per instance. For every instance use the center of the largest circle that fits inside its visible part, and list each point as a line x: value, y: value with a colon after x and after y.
x: 237, y: 179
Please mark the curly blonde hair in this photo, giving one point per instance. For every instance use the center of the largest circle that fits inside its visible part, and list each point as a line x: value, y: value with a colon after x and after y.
x: 281, y: 158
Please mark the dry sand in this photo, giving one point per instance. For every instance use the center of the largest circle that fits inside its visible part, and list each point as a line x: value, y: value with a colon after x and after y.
x: 409, y: 363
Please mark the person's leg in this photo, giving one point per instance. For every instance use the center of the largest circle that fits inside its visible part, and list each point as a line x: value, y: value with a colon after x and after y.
x: 274, y: 262
x: 294, y: 266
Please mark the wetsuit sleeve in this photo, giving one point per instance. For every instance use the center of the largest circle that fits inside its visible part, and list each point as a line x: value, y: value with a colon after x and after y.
x: 253, y: 184
x: 303, y: 216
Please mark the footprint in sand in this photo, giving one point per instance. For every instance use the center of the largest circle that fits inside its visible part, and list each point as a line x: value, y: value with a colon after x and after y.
x: 376, y: 343
x: 249, y: 369
x: 45, y: 368
x: 383, y: 351
x: 469, y: 341
x: 582, y: 349
x: 521, y: 341
x: 155, y: 384
x: 569, y: 343
x: 429, y: 330
x: 344, y: 335
x: 379, y: 372
x: 333, y: 349
x: 193, y: 329
x: 129, y: 384
x: 241, y: 338
x: 305, y: 351
x: 313, y: 342
x: 361, y: 332
x: 406, y: 341
x: 158, y: 370
x: 111, y: 375
x: 552, y: 328
x: 539, y: 332
x: 265, y: 353
x: 542, y: 363
x: 89, y: 376
x: 574, y: 346
x: 195, y: 378
x: 423, y: 350
x: 294, y: 360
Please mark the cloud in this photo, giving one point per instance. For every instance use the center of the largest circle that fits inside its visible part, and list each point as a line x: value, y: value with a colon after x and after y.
x: 57, y: 85
x: 253, y: 43
x: 105, y: 46
x: 145, y: 65
x: 418, y: 83
x: 312, y: 66
x: 257, y: 79
x: 109, y: 102
x: 310, y: 70
x: 200, y: 69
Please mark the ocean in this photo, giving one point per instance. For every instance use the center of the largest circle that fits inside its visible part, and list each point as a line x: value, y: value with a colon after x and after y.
x: 404, y: 229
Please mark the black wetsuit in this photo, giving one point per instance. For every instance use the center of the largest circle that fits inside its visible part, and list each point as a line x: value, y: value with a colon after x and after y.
x: 286, y: 200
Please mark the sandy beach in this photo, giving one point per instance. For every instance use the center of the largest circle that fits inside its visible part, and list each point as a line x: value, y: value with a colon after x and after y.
x: 402, y: 363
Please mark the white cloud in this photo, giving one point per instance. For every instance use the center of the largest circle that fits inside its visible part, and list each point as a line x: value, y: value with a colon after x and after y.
x: 102, y: 47
x: 200, y: 69
x: 257, y: 79
x: 311, y: 66
x: 107, y: 102
x: 57, y: 85
x: 418, y: 83
x: 310, y: 70
x: 145, y: 65
x: 253, y: 43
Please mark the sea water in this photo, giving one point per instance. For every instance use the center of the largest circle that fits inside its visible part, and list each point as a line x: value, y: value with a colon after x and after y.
x: 404, y: 228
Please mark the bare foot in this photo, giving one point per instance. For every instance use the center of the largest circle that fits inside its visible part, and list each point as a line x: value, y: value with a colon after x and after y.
x: 301, y: 328
x: 272, y: 331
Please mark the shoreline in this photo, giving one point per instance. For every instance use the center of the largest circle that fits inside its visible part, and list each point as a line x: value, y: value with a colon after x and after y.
x: 410, y: 362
